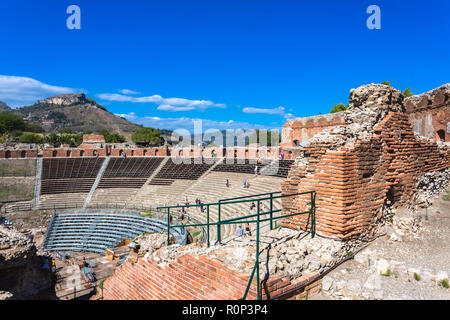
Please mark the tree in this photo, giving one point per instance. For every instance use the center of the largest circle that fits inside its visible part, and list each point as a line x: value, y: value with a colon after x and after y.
x: 339, y: 107
x: 112, y: 137
x: 407, y: 93
x: 11, y: 122
x: 386, y: 83
x: 147, y: 136
x: 30, y: 137
x: 259, y: 137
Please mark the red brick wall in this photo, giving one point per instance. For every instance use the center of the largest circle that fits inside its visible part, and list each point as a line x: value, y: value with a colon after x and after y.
x: 353, y: 184
x: 429, y: 113
x: 303, y: 129
x: 195, y: 278
x: 18, y: 153
x: 187, y: 278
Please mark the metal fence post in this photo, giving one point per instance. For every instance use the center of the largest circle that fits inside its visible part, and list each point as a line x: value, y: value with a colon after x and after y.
x: 218, y: 225
x: 312, y: 215
x: 207, y: 221
x: 168, y: 226
x: 257, y: 254
x: 271, y: 209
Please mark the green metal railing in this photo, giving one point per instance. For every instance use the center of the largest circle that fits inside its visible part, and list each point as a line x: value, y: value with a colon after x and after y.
x: 238, y: 220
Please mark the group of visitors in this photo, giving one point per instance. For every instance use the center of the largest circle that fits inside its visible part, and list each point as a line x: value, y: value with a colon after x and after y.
x: 246, y: 184
x: 200, y: 203
x: 242, y: 232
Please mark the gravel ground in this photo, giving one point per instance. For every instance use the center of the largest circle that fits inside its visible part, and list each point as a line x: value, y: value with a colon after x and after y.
x: 406, y: 263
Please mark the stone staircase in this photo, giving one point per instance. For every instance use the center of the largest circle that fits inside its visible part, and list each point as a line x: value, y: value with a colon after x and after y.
x: 37, y: 184
x: 97, y: 181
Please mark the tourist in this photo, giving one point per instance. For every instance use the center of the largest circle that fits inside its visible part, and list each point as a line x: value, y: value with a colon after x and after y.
x: 263, y: 207
x: 239, y: 232
x: 245, y: 183
x: 252, y: 206
x: 256, y: 170
x: 228, y: 183
x: 247, y: 229
x: 248, y: 184
x: 181, y: 216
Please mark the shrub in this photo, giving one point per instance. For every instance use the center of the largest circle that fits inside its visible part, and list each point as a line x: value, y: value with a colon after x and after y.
x: 147, y: 136
x: 339, y: 107
x: 416, y: 276
x: 444, y: 283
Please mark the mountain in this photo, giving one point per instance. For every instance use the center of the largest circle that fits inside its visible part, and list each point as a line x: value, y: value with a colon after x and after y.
x: 77, y: 113
x: 4, y: 106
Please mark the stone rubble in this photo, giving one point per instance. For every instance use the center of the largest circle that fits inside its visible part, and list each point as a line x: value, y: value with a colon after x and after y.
x: 430, y: 185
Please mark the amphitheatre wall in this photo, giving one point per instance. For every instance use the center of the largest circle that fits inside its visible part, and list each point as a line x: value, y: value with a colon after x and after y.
x: 429, y: 113
x: 356, y: 170
x: 301, y: 130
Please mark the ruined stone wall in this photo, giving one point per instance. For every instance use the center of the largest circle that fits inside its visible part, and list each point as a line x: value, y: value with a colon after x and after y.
x: 354, y: 182
x: 6, y: 154
x: 429, y: 113
x: 303, y: 129
x: 197, y: 277
x: 188, y: 277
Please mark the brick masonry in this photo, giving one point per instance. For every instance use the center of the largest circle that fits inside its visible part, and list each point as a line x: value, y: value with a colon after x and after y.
x: 429, y: 113
x: 196, y: 277
x: 353, y: 184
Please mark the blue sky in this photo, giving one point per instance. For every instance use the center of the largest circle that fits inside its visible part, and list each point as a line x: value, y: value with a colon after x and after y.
x: 231, y: 63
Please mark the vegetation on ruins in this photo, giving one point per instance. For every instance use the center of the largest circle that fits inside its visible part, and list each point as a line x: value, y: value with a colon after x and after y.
x: 112, y: 137
x: 444, y: 283
x: 387, y: 83
x: 147, y: 136
x: 407, y: 93
x: 339, y: 107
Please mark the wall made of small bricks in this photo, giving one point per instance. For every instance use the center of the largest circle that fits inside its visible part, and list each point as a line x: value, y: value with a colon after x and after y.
x: 18, y: 153
x: 353, y: 184
x: 189, y: 277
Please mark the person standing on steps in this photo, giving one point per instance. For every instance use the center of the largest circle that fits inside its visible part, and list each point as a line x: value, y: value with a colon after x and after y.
x: 227, y: 183
x: 239, y: 232
x: 247, y: 229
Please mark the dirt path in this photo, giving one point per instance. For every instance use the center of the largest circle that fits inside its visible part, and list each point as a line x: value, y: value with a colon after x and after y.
x: 407, y: 263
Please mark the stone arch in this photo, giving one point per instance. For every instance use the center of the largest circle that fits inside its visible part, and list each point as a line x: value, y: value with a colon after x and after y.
x: 120, y: 152
x: 7, y: 154
x: 144, y: 152
x: 23, y: 154
x: 54, y: 153
x: 68, y: 153
x: 156, y: 152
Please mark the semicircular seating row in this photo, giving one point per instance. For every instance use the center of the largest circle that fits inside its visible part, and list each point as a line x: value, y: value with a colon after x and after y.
x: 97, y: 232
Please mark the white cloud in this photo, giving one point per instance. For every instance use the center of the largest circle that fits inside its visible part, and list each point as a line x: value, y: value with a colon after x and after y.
x: 165, y: 104
x: 275, y: 111
x: 21, y: 91
x: 127, y: 91
x: 188, y: 123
